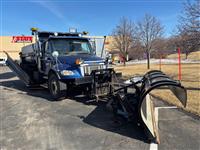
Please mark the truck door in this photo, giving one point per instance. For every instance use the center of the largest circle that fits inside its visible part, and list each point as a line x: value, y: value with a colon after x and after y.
x: 46, y: 59
x: 43, y: 56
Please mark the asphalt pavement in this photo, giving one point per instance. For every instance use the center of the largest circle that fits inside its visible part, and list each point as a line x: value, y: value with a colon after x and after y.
x: 29, y: 119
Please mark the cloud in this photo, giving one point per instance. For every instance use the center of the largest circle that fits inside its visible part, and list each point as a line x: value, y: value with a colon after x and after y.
x: 54, y: 9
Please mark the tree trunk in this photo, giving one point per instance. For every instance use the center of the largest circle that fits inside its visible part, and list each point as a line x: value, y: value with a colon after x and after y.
x: 148, y: 60
x: 186, y: 55
x: 124, y: 59
x: 124, y: 63
x: 127, y: 57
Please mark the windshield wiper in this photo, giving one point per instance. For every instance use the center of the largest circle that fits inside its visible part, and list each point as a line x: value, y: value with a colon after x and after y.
x: 80, y: 52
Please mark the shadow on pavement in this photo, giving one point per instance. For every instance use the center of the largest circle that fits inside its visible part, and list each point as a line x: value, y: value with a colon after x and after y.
x: 7, y: 75
x: 103, y: 119
x: 19, y: 85
x: 100, y: 117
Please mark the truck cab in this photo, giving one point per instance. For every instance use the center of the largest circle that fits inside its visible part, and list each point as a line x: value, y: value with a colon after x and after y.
x: 73, y: 55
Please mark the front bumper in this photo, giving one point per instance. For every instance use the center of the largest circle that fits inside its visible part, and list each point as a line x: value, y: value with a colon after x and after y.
x: 98, y: 83
x: 84, y: 80
x: 78, y: 81
x: 97, y: 76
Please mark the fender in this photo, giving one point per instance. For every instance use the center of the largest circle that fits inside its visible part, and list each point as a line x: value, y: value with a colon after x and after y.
x: 63, y: 86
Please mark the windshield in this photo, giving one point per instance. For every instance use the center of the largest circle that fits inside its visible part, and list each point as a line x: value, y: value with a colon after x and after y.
x: 70, y: 46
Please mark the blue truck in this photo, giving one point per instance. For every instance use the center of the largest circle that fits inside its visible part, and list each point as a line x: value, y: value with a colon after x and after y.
x: 64, y: 61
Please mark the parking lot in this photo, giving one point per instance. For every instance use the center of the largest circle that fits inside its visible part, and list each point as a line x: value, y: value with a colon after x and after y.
x: 30, y: 120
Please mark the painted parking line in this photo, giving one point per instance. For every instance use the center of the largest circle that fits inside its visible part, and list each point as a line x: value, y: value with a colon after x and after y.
x: 154, y: 146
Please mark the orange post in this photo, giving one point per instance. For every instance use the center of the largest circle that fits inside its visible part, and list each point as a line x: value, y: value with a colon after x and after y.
x: 179, y: 63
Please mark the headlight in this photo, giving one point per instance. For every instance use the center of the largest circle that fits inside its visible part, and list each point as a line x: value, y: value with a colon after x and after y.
x: 67, y: 73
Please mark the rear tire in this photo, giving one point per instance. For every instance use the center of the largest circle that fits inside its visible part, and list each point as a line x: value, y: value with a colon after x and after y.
x: 54, y: 87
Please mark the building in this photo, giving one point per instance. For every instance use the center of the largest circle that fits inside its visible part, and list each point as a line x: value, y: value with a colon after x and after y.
x: 13, y: 44
x: 109, y: 44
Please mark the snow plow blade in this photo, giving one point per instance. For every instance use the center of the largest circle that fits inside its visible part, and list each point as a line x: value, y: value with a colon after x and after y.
x: 154, y: 80
x: 18, y: 70
x: 139, y: 107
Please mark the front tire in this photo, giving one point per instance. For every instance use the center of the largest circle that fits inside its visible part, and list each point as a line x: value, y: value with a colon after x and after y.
x: 54, y: 87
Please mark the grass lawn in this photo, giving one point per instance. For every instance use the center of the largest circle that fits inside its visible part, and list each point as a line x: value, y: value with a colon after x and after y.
x: 190, y: 79
x: 191, y: 56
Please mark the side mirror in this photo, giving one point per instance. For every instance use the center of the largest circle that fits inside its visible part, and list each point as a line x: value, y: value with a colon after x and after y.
x: 94, y: 51
x: 55, y: 54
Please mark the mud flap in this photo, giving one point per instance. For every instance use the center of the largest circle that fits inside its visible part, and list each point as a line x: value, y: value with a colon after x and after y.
x: 18, y: 70
x: 153, y: 80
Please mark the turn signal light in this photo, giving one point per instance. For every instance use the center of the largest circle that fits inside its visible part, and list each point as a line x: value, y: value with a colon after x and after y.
x: 78, y: 61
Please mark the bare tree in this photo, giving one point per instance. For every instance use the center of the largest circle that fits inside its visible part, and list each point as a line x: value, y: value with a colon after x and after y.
x: 124, y: 34
x: 160, y: 48
x: 189, y: 27
x: 149, y: 29
x: 189, y: 20
x: 136, y: 51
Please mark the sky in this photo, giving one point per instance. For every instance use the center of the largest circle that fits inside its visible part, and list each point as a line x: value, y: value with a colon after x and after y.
x: 96, y: 17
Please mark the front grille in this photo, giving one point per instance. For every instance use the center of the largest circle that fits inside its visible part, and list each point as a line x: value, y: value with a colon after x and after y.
x: 87, y: 69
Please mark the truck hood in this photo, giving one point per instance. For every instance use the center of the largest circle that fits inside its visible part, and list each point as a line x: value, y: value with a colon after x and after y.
x: 70, y: 59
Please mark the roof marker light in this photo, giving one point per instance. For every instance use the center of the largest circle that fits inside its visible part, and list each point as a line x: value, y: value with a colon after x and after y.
x: 72, y: 30
x: 56, y: 33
